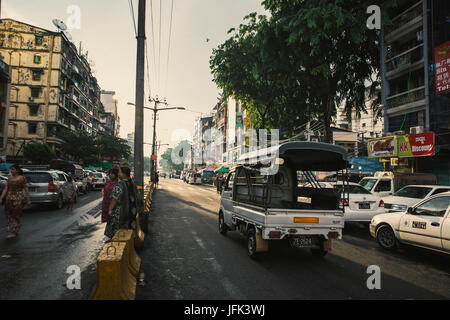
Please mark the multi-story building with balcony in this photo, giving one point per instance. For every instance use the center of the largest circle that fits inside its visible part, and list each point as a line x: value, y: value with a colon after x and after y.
x: 409, y: 68
x: 52, y: 86
x: 111, y: 110
x: 5, y: 89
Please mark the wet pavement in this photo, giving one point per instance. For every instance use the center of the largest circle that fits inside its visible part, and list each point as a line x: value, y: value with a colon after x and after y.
x: 34, y: 265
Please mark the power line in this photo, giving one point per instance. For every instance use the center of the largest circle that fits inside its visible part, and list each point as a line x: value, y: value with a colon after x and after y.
x: 159, y: 48
x: 168, y: 50
x: 153, y: 40
x: 130, y: 3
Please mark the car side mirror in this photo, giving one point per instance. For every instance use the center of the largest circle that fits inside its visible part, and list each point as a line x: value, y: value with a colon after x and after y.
x: 411, y: 210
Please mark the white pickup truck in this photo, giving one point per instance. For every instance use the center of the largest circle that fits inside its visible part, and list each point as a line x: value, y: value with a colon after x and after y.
x: 271, y: 205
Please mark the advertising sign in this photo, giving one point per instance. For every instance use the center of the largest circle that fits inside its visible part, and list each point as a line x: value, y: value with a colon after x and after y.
x: 442, y: 61
x: 416, y: 145
x: 382, y: 147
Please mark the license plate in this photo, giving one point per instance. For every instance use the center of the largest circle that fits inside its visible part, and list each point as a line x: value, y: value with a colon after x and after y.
x: 302, y: 242
x: 32, y: 189
x: 364, y: 206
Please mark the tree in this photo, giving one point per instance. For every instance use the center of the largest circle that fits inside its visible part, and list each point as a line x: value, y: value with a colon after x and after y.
x: 303, y: 62
x: 79, y: 145
x: 39, y: 153
x: 112, y: 148
x: 179, y: 153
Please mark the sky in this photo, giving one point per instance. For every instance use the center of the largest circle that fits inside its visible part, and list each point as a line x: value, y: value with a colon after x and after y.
x: 107, y: 33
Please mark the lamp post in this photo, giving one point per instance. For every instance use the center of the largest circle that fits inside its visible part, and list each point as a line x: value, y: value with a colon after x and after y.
x: 155, y: 114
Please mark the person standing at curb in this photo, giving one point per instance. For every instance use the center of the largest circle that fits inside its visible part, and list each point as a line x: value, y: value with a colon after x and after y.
x: 131, y: 195
x: 107, y: 192
x: 119, y: 208
x: 69, y: 190
x: 14, y: 193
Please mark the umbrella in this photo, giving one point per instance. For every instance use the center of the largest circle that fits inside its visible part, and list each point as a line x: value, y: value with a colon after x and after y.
x: 222, y: 170
x: 209, y: 169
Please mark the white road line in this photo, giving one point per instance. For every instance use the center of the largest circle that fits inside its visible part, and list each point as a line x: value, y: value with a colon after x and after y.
x: 229, y: 287
x: 198, y: 240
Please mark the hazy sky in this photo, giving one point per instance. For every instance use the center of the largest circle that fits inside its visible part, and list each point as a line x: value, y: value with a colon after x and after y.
x: 107, y: 33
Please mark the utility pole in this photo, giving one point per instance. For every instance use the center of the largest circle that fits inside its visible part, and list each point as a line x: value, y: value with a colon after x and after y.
x: 139, y: 113
x: 154, y: 149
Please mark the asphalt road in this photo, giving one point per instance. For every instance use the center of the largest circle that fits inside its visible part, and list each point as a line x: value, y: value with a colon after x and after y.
x: 33, y: 266
x: 185, y: 257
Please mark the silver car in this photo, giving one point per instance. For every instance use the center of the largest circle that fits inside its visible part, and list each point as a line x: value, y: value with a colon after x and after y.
x: 45, y: 187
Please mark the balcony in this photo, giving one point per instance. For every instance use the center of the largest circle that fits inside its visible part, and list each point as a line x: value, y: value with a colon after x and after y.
x: 404, y: 23
x: 415, y: 97
x: 402, y: 62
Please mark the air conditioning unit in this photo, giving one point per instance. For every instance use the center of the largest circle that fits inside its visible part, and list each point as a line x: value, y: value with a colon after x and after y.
x: 416, y: 130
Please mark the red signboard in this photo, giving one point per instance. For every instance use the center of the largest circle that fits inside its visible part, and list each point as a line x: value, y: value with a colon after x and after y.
x: 422, y: 144
x: 442, y: 62
x: 154, y: 157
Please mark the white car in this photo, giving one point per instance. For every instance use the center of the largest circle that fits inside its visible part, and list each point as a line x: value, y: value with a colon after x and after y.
x: 362, y: 205
x: 194, y: 178
x: 410, y: 195
x: 426, y: 225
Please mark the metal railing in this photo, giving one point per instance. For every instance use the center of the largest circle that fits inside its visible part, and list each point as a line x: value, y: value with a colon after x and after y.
x: 406, y: 97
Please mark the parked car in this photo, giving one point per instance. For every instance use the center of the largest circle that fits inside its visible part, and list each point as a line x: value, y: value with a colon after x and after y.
x: 45, y: 187
x: 359, y: 204
x: 99, y: 180
x: 195, y: 178
x: 3, y: 181
x: 410, y: 195
x: 385, y: 184
x: 426, y: 225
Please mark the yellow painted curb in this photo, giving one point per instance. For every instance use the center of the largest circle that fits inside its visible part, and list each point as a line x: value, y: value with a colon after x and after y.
x: 114, y: 281
x: 139, y: 235
x: 134, y: 261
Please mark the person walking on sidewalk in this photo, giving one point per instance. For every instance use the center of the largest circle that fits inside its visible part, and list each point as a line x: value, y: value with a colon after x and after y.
x: 119, y: 208
x: 69, y: 191
x: 156, y: 180
x: 14, y: 194
x: 107, y: 192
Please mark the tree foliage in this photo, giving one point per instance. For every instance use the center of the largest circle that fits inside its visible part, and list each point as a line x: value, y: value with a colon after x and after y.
x: 39, y: 153
x: 300, y: 64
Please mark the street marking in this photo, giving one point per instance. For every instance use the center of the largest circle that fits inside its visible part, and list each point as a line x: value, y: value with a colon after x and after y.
x: 229, y: 287
x: 198, y: 240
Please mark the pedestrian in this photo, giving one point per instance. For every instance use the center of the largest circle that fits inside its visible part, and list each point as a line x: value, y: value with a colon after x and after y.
x: 14, y: 195
x: 90, y: 181
x: 69, y: 191
x: 113, y: 175
x: 156, y: 180
x: 131, y: 195
x: 219, y: 181
x: 119, y: 208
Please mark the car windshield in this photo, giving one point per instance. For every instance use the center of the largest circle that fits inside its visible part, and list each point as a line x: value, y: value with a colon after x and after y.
x: 38, y: 177
x: 98, y: 175
x: 352, y: 189
x: 368, y: 184
x: 413, y: 192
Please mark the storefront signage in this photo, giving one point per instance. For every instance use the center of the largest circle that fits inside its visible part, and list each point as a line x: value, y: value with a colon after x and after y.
x: 382, y: 147
x: 442, y: 61
x: 415, y: 145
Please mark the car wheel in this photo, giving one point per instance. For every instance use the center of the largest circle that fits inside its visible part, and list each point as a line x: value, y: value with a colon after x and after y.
x: 251, y: 243
x: 223, y: 228
x: 386, y: 238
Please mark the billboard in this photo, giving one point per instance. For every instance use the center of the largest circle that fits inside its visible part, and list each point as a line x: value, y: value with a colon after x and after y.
x: 382, y: 148
x: 442, y: 61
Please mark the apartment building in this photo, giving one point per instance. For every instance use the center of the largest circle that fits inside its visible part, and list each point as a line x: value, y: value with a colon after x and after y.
x: 52, y: 86
x: 5, y: 89
x: 111, y: 110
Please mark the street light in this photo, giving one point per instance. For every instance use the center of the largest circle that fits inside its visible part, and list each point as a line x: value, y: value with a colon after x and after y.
x: 155, y: 111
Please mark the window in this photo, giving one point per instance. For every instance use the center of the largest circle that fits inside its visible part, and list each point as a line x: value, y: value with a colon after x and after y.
x: 35, y: 92
x: 230, y: 182
x: 37, y: 59
x: 437, y: 191
x: 32, y: 128
x: 38, y: 177
x: 413, y: 192
x: 34, y: 109
x: 383, y: 186
x: 38, y: 39
x: 436, y: 207
x: 36, y: 76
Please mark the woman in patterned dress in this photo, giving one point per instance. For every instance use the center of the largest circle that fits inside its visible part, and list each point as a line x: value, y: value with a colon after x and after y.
x: 119, y: 208
x: 14, y: 193
x: 107, y: 192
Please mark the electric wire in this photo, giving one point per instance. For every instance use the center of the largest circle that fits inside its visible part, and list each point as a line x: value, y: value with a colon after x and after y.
x: 159, y: 46
x: 153, y: 41
x: 130, y: 4
x: 168, y: 50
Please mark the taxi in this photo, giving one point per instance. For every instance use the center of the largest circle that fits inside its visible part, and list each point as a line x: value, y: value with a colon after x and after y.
x: 426, y: 225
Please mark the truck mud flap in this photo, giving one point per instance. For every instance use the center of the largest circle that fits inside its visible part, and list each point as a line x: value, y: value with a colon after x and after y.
x: 261, y: 244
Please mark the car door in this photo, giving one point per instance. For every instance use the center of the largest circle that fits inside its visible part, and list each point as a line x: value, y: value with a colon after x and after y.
x: 227, y: 198
x: 424, y: 224
x: 384, y: 188
x: 445, y: 232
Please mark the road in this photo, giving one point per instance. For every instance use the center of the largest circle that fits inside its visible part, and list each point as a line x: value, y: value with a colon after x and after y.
x: 33, y: 266
x: 185, y: 257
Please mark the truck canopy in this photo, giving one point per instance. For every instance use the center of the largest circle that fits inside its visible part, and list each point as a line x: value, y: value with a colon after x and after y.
x: 305, y: 156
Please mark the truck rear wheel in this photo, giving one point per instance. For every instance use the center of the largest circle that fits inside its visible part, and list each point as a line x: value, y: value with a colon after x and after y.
x: 251, y: 243
x: 319, y: 252
x: 223, y: 228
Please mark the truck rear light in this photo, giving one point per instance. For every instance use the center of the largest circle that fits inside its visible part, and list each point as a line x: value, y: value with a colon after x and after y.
x: 51, y: 186
x: 381, y: 204
x: 333, y: 235
x: 275, y: 234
